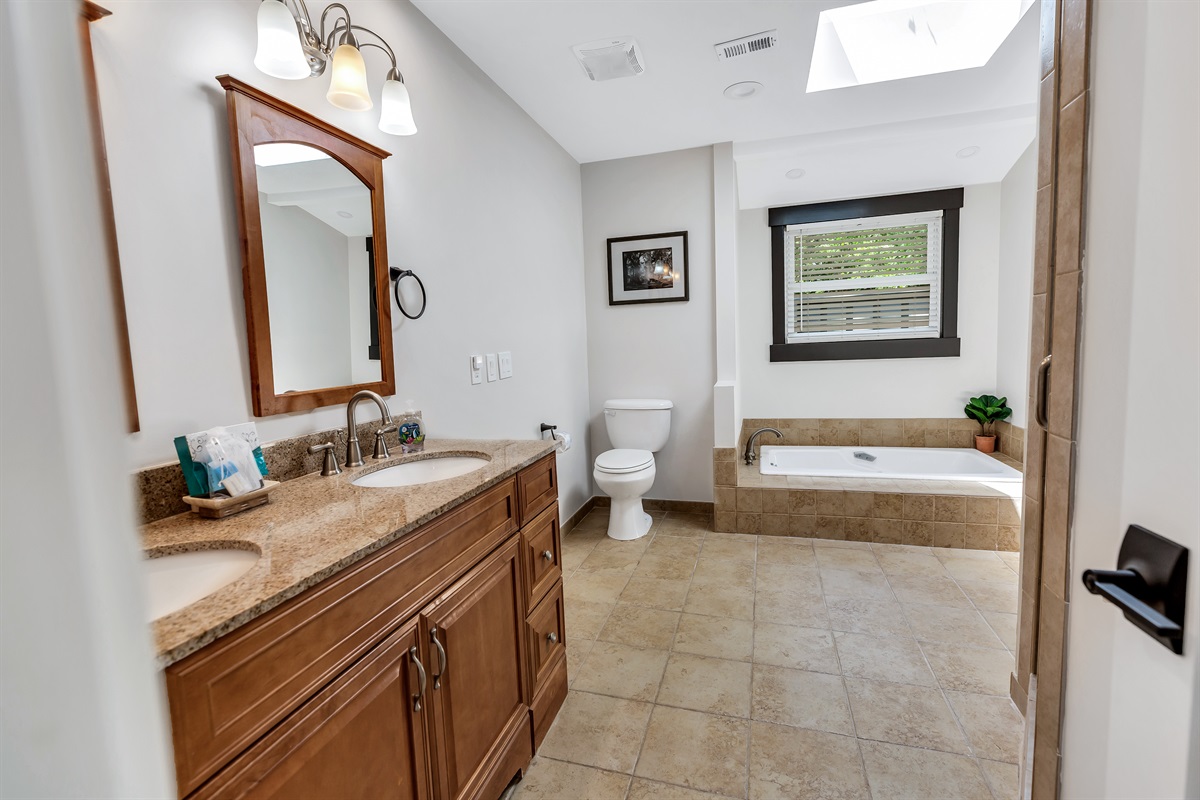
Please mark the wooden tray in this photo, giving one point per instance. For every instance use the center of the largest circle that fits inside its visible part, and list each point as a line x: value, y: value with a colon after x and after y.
x: 217, y: 507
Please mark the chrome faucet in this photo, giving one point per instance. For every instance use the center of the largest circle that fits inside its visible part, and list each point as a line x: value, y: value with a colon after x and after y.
x: 750, y: 455
x: 353, y: 451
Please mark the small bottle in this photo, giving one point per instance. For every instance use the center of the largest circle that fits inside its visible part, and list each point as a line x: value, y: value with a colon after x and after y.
x: 412, y: 435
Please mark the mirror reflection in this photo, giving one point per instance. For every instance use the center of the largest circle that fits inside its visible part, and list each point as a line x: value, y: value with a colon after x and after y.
x: 317, y: 248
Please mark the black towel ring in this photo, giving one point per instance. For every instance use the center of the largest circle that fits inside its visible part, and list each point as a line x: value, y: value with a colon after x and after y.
x: 397, y: 275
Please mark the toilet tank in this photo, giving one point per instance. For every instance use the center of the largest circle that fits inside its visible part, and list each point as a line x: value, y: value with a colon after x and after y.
x: 638, y: 424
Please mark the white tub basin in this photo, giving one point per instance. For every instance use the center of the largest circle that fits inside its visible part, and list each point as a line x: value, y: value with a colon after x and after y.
x: 180, y: 579
x: 425, y: 471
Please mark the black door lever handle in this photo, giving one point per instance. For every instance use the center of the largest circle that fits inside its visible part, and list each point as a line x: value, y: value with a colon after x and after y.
x: 1149, y: 586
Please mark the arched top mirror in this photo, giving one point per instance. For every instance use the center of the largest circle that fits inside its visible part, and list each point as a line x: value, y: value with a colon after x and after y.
x: 314, y: 255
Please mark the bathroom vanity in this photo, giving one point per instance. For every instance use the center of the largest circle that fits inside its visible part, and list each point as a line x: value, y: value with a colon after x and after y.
x: 418, y: 651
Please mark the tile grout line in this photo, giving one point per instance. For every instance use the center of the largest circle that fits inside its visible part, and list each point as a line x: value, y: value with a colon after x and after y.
x: 942, y: 689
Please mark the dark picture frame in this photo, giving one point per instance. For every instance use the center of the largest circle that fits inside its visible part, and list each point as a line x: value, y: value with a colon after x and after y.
x: 651, y: 268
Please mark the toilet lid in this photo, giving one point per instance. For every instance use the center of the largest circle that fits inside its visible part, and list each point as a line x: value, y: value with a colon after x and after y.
x: 618, y: 461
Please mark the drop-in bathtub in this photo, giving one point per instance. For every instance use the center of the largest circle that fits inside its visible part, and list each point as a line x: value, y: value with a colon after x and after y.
x: 913, y: 463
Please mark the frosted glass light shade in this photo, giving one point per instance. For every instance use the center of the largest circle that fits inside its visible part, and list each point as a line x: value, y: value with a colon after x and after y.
x: 348, y: 84
x: 279, y: 53
x: 395, y: 116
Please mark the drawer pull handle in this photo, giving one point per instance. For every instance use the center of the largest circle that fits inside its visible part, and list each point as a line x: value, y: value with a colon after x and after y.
x: 552, y: 637
x: 416, y: 659
x: 546, y: 554
x: 441, y: 651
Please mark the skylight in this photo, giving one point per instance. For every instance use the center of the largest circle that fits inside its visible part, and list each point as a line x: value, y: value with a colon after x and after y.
x: 886, y: 40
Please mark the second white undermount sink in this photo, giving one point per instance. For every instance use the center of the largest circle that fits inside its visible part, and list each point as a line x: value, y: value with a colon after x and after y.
x: 412, y: 473
x: 177, y: 580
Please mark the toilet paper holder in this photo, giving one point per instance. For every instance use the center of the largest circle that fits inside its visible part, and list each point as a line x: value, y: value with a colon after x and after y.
x: 548, y: 427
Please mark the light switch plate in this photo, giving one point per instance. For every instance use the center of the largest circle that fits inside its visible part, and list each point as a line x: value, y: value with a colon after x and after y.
x: 493, y: 369
x: 476, y: 370
x: 505, y: 365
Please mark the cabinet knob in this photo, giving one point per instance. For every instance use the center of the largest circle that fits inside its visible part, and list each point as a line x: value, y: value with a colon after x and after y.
x: 546, y: 554
x: 552, y: 637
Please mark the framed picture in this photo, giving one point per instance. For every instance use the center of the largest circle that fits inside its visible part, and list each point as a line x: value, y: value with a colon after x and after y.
x: 648, y: 269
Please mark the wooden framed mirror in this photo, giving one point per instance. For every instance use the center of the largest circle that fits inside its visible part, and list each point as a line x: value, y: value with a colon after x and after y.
x: 314, y: 255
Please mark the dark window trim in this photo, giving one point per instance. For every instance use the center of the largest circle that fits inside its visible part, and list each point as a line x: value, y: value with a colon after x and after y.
x: 948, y: 201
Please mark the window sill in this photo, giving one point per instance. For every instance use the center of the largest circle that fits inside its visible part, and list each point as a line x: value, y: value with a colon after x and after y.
x: 879, y: 348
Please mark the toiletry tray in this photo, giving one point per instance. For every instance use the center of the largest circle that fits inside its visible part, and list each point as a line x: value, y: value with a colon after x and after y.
x: 218, y: 507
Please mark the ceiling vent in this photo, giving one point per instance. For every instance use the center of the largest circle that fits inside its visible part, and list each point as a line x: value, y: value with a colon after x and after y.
x: 610, y: 58
x: 746, y: 45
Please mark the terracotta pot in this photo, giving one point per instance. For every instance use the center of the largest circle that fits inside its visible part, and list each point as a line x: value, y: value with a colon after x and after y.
x: 985, y: 444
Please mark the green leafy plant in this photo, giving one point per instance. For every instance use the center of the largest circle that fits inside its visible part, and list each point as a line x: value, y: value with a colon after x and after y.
x: 987, y: 410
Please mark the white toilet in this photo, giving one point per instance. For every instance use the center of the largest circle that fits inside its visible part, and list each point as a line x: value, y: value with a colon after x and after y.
x: 638, y: 429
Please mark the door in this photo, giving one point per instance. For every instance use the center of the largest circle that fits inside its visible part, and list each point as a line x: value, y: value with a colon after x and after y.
x: 477, y: 689
x: 1131, y: 721
x: 361, y: 737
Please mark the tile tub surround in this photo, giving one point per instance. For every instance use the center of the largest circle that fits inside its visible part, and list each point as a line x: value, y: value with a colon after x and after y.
x: 934, y: 432
x: 158, y: 489
x: 313, y: 528
x: 925, y: 513
x: 779, y: 668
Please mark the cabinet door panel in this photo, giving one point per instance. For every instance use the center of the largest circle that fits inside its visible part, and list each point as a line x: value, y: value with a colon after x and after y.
x: 359, y: 737
x: 479, y: 701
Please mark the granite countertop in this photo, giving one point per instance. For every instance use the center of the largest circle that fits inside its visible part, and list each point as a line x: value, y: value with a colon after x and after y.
x: 312, y: 528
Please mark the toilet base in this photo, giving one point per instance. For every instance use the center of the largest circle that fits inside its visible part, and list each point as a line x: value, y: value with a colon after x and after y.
x: 627, y: 520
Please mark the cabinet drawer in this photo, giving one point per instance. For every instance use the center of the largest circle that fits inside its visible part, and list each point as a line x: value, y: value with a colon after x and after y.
x: 229, y: 694
x: 537, y: 488
x: 541, y: 551
x: 545, y: 626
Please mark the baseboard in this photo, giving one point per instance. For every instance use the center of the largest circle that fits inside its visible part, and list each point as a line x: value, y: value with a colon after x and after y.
x: 569, y: 524
x: 675, y: 506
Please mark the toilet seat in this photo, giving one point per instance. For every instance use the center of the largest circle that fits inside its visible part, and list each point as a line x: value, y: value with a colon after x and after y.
x: 621, y: 461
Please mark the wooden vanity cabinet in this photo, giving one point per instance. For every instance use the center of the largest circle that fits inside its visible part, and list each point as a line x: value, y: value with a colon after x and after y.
x: 318, y: 698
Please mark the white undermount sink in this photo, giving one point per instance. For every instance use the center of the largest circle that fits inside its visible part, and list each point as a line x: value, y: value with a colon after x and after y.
x: 427, y: 470
x: 179, y: 579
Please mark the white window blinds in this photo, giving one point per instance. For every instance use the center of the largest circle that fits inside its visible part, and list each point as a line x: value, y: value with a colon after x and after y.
x: 869, y: 278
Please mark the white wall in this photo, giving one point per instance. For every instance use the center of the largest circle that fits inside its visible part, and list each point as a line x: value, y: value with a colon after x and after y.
x: 306, y: 263
x: 1132, y: 707
x: 1018, y: 198
x: 904, y: 387
x: 659, y: 350
x: 359, y: 290
x: 481, y: 203
x: 82, y: 709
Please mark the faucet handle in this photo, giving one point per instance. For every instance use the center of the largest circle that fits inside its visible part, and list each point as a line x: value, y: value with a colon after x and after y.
x: 381, y: 449
x: 329, y: 467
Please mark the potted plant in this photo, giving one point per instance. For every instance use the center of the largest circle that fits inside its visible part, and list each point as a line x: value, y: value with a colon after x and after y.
x: 987, y: 410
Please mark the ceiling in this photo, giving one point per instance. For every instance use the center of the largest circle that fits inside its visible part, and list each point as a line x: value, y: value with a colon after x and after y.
x: 525, y: 47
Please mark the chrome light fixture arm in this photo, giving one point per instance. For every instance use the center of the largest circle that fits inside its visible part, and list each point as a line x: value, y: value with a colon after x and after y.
x: 319, y: 42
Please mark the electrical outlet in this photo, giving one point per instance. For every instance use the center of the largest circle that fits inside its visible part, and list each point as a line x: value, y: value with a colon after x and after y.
x: 476, y: 370
x: 493, y: 369
x: 505, y: 365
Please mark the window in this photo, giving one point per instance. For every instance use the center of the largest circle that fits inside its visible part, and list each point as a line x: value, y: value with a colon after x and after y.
x: 872, y: 278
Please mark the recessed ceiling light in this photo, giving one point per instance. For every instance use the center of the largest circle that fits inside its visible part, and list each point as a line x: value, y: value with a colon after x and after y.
x: 345, y: 214
x: 740, y: 91
x: 967, y: 152
x: 794, y: 173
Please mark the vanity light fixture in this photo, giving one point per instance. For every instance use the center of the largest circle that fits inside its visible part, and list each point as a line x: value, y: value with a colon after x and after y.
x: 291, y: 47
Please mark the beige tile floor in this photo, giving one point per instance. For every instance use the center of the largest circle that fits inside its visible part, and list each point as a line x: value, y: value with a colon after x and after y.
x: 708, y: 665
